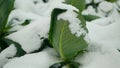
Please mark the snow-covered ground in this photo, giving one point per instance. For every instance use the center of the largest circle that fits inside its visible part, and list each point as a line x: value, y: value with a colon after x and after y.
x: 103, y: 33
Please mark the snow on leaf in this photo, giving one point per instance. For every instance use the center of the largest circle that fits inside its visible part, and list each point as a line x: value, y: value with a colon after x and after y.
x: 66, y: 44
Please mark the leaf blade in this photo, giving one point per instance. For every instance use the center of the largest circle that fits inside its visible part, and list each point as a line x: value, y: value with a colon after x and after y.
x: 70, y: 42
x: 90, y: 17
x: 59, y: 33
x: 6, y: 6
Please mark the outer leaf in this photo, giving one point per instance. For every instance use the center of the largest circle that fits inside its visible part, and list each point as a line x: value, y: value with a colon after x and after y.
x: 5, y: 8
x: 90, y: 17
x: 54, y: 15
x: 3, y: 45
x: 80, y: 4
x: 68, y: 44
x: 65, y: 43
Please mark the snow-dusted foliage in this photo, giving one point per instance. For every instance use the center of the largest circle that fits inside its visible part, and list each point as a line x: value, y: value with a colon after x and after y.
x: 103, y: 34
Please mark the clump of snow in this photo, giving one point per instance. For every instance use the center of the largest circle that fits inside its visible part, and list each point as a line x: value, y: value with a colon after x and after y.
x: 91, y: 11
x: 104, y: 9
x: 88, y: 1
x: 7, y: 53
x: 106, y: 6
x: 74, y: 25
x: 37, y: 60
x: 97, y: 1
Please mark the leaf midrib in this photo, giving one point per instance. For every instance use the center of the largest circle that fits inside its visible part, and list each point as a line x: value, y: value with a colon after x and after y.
x: 60, y: 41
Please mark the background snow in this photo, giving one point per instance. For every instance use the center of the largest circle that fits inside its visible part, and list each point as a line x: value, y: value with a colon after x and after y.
x: 106, y: 6
x: 7, y: 53
x: 104, y: 36
x: 100, y: 60
x: 105, y: 32
x: 29, y: 36
x: 37, y: 60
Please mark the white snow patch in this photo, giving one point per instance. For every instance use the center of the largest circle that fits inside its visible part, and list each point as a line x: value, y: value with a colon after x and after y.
x: 103, y: 21
x: 106, y: 6
x: 37, y: 60
x: 115, y: 15
x: 105, y: 35
x: 88, y: 1
x: 40, y: 8
x: 99, y: 60
x: 29, y: 37
x: 7, y: 53
x: 97, y: 1
x: 26, y: 5
x: 91, y: 11
x: 74, y: 25
x: 21, y: 16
